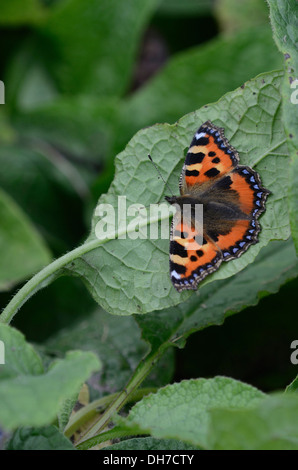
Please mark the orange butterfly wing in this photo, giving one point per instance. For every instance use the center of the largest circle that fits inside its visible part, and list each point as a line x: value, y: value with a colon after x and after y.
x: 233, y: 199
x: 190, y: 262
x: 209, y: 157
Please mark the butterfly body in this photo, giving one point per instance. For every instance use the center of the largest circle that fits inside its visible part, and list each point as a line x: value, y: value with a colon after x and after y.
x: 232, y: 199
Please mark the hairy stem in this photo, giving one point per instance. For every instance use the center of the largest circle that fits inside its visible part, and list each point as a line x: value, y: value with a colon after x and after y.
x: 86, y: 413
x: 54, y: 270
x: 43, y: 278
x: 143, y: 369
x: 103, y: 437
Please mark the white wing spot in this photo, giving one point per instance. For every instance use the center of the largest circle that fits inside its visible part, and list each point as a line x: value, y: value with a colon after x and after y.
x: 175, y: 275
x: 198, y: 136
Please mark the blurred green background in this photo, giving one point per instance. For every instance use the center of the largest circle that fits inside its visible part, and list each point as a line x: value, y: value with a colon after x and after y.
x: 81, y: 77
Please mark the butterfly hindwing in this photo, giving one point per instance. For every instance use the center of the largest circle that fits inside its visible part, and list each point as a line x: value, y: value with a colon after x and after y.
x: 190, y: 262
x: 251, y: 199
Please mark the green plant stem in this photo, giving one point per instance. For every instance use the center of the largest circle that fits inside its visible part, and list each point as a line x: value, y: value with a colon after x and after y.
x: 103, y: 437
x: 42, y: 277
x: 141, y: 372
x: 89, y: 411
x: 53, y: 270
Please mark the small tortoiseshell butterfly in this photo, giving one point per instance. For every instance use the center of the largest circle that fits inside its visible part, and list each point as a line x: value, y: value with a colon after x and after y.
x: 232, y: 199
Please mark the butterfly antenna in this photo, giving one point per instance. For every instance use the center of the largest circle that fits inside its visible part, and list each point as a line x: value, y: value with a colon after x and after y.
x: 166, y: 184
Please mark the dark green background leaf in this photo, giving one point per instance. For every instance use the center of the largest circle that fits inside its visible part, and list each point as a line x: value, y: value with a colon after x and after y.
x: 197, y: 77
x: 187, y: 7
x: 94, y: 48
x: 15, y: 12
x: 23, y: 252
x: 56, y: 212
x: 237, y: 16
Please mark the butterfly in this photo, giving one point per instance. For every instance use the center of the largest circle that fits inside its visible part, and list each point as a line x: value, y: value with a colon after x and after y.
x: 232, y: 198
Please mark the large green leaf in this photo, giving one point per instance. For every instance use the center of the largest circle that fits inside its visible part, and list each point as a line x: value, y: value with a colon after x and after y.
x: 45, y: 438
x: 284, y: 19
x: 26, y: 385
x: 150, y: 443
x: 95, y: 43
x: 225, y: 414
x: 131, y: 276
x: 271, y: 425
x: 219, y: 413
x: 20, y: 356
x: 23, y: 251
x: 182, y: 410
x: 127, y: 275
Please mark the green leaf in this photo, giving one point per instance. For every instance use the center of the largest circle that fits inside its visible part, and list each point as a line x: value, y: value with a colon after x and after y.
x: 233, y: 15
x: 150, y: 443
x: 20, y: 389
x: 131, y: 276
x: 28, y: 82
x: 66, y: 410
x: 7, y: 133
x: 45, y: 438
x: 284, y: 19
x: 26, y: 173
x: 275, y: 265
x: 182, y: 410
x: 119, y: 346
x: 187, y: 7
x: 18, y: 12
x: 20, y: 356
x: 80, y: 126
x: 96, y: 43
x: 270, y: 425
x: 22, y: 249
x: 95, y: 129
x: 196, y: 77
x: 293, y: 386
